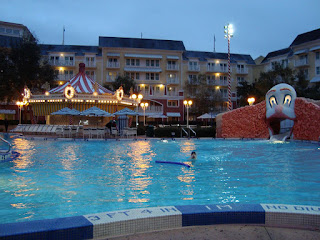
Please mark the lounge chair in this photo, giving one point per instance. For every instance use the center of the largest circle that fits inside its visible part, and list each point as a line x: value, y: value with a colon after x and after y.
x: 86, y: 132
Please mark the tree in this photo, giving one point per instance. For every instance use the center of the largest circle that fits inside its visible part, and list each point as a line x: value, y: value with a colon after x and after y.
x: 205, y: 98
x: 271, y: 78
x: 124, y: 81
x: 21, y: 66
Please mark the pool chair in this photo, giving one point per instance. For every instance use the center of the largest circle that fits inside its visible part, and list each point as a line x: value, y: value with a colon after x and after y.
x: 40, y: 129
x: 114, y: 131
x: 66, y: 131
x: 53, y: 129
x: 94, y: 132
x: 59, y: 131
x: 26, y: 128
x: 80, y: 131
x: 86, y: 133
x: 73, y: 131
x: 100, y: 133
x: 32, y: 129
x: 18, y: 128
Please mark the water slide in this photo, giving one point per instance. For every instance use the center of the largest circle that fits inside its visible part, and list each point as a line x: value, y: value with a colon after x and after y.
x: 280, y: 137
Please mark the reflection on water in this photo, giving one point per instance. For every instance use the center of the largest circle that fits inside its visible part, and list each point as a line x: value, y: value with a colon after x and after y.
x: 57, y: 179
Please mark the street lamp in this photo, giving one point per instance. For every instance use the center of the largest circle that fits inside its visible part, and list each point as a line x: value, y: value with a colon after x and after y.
x: 20, y: 105
x: 137, y: 98
x: 144, y: 106
x: 251, y: 101
x: 228, y: 33
x: 187, y: 104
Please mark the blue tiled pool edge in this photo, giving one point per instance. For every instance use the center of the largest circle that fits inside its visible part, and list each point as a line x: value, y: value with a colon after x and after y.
x: 125, y: 222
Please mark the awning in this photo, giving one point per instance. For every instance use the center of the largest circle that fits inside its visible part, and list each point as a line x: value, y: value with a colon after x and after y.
x: 137, y: 69
x: 143, y: 56
x: 301, y: 51
x: 111, y: 54
x: 173, y: 114
x: 7, y: 111
x: 173, y: 57
x: 315, y: 48
x: 315, y: 79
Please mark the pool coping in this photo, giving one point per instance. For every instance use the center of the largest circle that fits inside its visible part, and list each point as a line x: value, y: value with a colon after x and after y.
x: 141, y: 220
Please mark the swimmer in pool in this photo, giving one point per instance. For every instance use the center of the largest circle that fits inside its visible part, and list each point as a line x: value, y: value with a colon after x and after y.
x: 193, y: 155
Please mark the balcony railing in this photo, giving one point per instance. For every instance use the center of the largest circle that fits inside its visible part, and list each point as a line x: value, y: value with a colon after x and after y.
x: 172, y: 67
x: 223, y: 83
x: 173, y: 94
x: 242, y: 71
x: 113, y: 65
x: 110, y: 79
x: 218, y: 69
x: 151, y: 109
x: 172, y: 80
x: 212, y: 82
x: 64, y: 77
x: 61, y: 63
x: 91, y: 64
x: 301, y: 62
x: 194, y: 68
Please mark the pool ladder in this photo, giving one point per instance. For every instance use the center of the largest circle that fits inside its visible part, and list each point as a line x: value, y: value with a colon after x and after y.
x: 9, y: 144
x: 187, y: 132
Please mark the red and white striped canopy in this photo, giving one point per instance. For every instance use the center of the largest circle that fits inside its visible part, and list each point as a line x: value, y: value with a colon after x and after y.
x: 82, y: 83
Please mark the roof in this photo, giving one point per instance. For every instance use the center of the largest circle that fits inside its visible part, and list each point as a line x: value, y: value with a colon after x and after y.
x: 82, y: 84
x: 306, y: 37
x: 116, y: 42
x: 8, y: 41
x: 277, y: 53
x: 77, y: 49
x: 204, y: 56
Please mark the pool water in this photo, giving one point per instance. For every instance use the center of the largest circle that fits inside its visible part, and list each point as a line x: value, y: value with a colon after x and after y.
x: 54, y: 179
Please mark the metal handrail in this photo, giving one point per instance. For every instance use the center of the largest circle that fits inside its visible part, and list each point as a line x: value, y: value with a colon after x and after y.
x: 8, y: 144
x: 182, y: 129
x: 195, y: 134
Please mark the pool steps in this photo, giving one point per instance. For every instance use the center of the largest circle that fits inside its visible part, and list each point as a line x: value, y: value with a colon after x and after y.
x: 131, y: 221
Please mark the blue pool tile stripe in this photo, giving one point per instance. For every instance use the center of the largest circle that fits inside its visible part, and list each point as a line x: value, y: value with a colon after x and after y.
x: 59, y: 228
x: 221, y: 214
x: 124, y: 222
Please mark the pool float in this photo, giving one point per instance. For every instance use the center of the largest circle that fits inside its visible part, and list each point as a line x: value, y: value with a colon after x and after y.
x: 178, y: 163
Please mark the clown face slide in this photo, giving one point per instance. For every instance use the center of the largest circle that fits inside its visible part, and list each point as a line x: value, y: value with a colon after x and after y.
x: 280, y: 110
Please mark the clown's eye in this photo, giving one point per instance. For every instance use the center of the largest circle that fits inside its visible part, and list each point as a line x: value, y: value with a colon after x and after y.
x: 272, y: 101
x: 287, y: 100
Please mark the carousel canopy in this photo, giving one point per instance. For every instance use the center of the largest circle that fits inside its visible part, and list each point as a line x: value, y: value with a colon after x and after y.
x: 96, y: 112
x: 82, y: 83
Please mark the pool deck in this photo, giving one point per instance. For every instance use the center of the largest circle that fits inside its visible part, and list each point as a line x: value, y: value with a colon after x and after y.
x: 225, y: 232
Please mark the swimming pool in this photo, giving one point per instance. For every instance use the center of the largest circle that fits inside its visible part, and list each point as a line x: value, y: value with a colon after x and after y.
x: 68, y: 178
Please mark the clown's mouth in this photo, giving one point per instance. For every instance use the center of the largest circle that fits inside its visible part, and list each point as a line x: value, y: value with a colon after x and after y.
x: 280, y: 125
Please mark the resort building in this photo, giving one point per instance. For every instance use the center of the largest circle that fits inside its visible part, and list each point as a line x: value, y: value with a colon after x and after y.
x: 302, y: 54
x: 160, y: 68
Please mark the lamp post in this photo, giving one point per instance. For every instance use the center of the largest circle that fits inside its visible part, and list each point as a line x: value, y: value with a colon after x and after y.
x: 251, y: 101
x: 20, y: 105
x: 138, y: 99
x: 144, y: 106
x: 187, y: 104
x: 228, y: 31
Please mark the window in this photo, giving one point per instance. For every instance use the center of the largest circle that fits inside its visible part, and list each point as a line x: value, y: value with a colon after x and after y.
x: 132, y: 62
x: 211, y: 64
x: 9, y: 30
x: 16, y: 32
x: 111, y: 76
x: 172, y: 63
x: 240, y: 79
x: 284, y: 63
x: 110, y: 60
x: 317, y: 55
x: 133, y: 75
x: 152, y: 76
x: 192, y: 78
x: 172, y: 103
x: 223, y: 66
x: 318, y: 70
x: 90, y: 74
x: 157, y: 89
x: 2, y: 30
x: 152, y: 63
x: 306, y: 73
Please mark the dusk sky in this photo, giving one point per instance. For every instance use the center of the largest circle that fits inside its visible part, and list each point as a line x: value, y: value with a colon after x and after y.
x: 260, y: 26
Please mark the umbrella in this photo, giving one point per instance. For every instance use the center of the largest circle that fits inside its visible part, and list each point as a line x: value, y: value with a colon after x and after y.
x: 157, y: 116
x: 206, y: 116
x: 66, y: 111
x: 125, y: 112
x: 95, y: 112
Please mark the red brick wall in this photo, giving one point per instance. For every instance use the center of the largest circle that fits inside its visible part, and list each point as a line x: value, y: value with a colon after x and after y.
x: 307, y: 125
x: 246, y: 122
x: 249, y: 122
